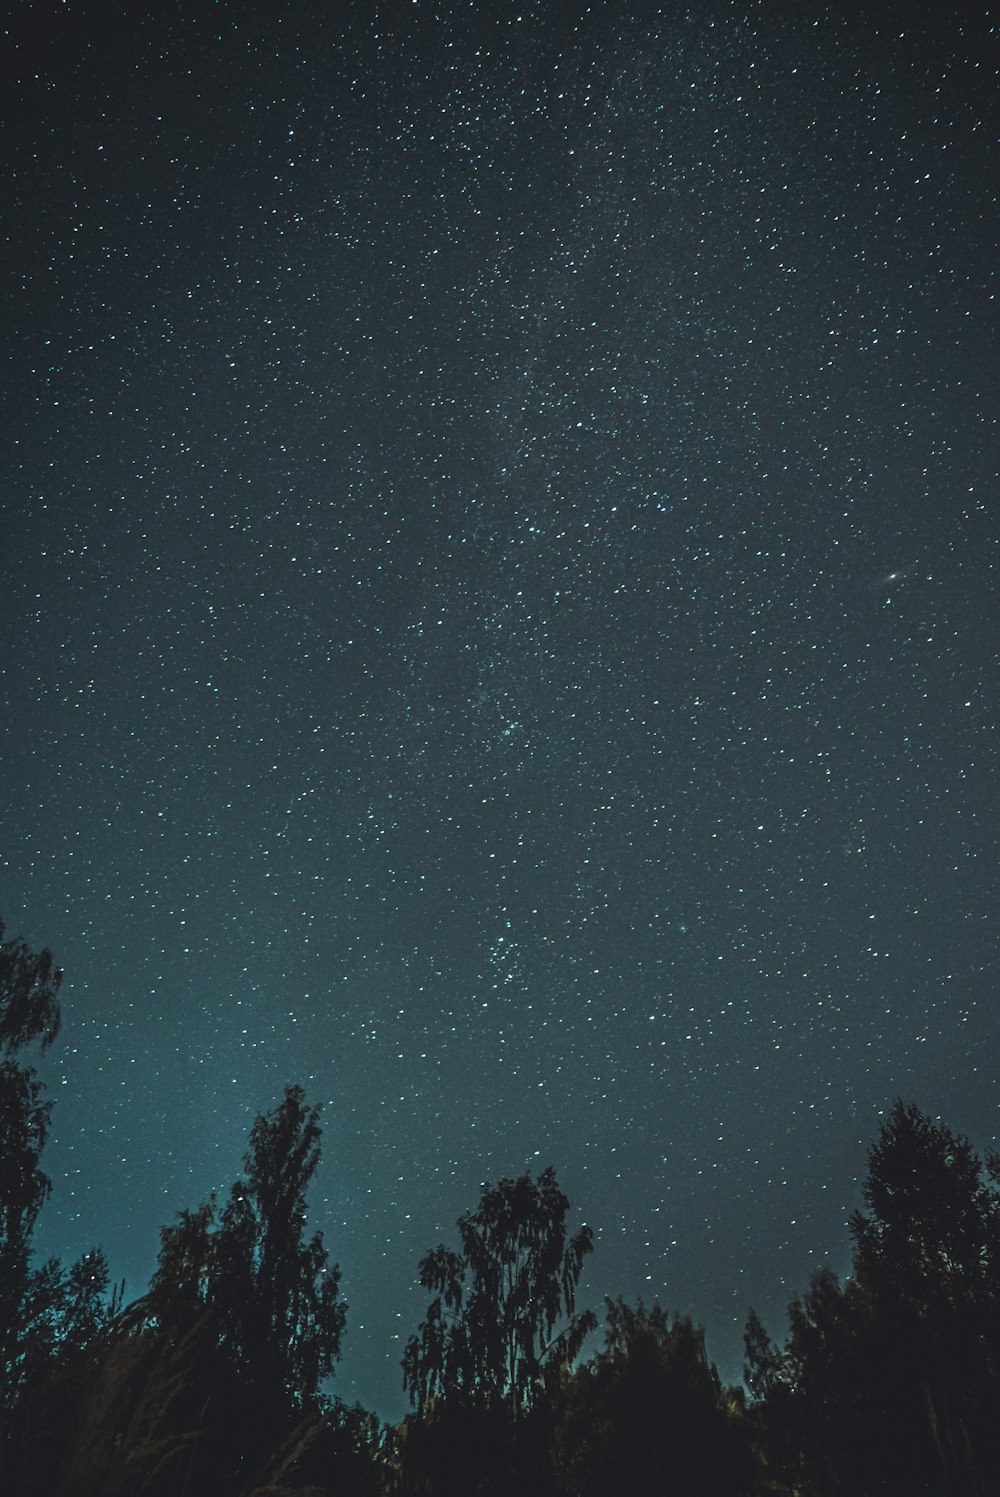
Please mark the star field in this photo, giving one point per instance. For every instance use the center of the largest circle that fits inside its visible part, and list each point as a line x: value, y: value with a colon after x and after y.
x: 500, y: 612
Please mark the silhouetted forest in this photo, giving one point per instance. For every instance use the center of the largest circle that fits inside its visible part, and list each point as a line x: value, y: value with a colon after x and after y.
x: 216, y: 1380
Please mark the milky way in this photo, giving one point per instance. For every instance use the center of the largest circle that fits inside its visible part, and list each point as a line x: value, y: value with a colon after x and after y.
x: 500, y: 576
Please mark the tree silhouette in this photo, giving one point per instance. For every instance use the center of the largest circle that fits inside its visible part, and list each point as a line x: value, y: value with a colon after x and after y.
x: 281, y: 1298
x: 274, y: 1295
x: 29, y: 1011
x: 889, y: 1382
x: 932, y: 1229
x: 764, y: 1367
x: 490, y: 1337
x: 29, y: 1002
x: 63, y: 1311
x: 650, y: 1404
x: 24, y: 1122
x: 184, y: 1266
x: 927, y: 1259
x: 200, y: 1385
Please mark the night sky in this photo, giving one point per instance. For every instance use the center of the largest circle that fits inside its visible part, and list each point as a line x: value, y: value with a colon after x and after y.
x: 500, y: 562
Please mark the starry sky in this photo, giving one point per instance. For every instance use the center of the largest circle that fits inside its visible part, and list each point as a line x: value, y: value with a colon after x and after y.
x: 499, y: 603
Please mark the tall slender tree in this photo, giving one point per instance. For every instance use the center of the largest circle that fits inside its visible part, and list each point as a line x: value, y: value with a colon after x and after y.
x: 275, y: 1297
x: 280, y: 1296
x: 29, y: 1012
x: 889, y: 1382
x: 927, y: 1259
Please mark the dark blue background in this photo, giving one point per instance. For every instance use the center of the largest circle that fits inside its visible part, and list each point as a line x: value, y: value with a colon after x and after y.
x: 499, y: 617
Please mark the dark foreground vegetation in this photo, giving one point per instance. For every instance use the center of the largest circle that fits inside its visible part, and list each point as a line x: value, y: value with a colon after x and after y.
x: 214, y: 1383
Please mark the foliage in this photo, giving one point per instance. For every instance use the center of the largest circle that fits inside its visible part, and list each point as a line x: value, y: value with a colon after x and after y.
x: 455, y: 1448
x: 650, y: 1404
x: 184, y: 1266
x: 64, y: 1311
x: 490, y: 1336
x: 24, y: 1125
x: 152, y: 1408
x: 29, y: 989
x: 274, y: 1296
x: 195, y: 1386
x: 49, y: 1316
x: 341, y: 1450
x: 888, y: 1383
x: 29, y: 1011
x: 280, y: 1296
x: 932, y: 1231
